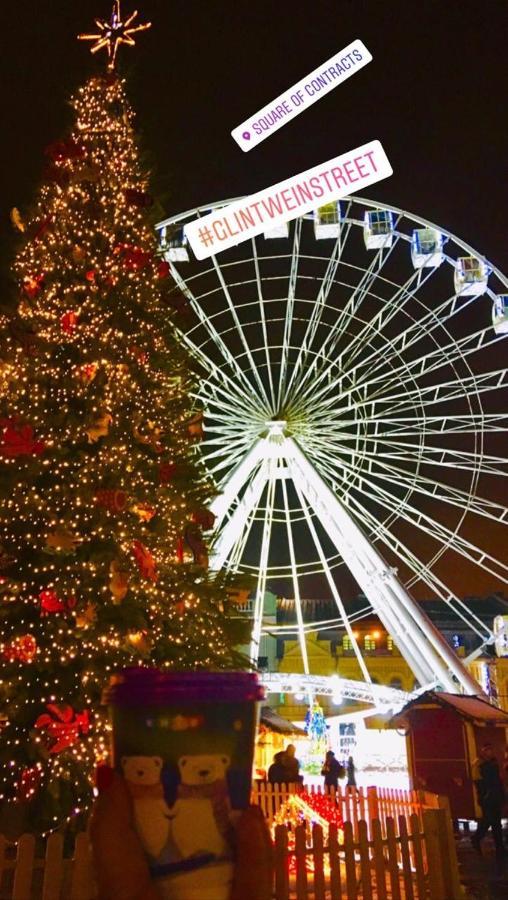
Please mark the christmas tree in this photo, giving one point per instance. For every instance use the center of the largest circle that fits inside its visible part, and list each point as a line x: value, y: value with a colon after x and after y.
x: 103, y: 504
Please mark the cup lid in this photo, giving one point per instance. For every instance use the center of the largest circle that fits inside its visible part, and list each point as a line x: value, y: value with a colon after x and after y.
x: 141, y: 685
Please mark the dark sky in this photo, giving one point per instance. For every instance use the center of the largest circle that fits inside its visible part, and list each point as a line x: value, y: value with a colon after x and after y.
x: 435, y: 95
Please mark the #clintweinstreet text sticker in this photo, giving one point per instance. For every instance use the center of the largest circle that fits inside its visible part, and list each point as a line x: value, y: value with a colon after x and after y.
x: 303, y: 94
x: 243, y: 219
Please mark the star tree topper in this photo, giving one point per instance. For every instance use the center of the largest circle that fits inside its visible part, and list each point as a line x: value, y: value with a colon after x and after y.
x: 113, y: 33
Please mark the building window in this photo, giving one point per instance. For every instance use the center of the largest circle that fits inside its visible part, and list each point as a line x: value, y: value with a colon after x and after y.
x: 347, y: 643
x: 389, y: 642
x: 369, y: 642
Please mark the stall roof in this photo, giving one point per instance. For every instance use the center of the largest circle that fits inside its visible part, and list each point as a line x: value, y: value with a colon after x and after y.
x: 470, y: 707
x: 277, y: 723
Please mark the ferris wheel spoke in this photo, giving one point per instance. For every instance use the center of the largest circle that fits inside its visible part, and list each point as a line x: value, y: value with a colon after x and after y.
x: 407, y: 426
x: 263, y: 563
x: 264, y: 329
x: 424, y: 521
x: 433, y: 320
x: 243, y: 385
x: 444, y: 457
x: 238, y: 550
x: 317, y: 311
x: 248, y: 353
x: 370, y: 488
x: 288, y: 323
x: 420, y: 569
x: 348, y: 313
x: 340, y: 363
x: 223, y: 383
x: 446, y: 391
x: 333, y: 587
x: 389, y: 310
x: 238, y: 518
x: 441, y: 357
x: 295, y: 581
x: 435, y: 489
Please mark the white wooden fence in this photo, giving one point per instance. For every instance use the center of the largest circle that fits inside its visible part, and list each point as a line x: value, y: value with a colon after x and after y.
x: 396, y: 845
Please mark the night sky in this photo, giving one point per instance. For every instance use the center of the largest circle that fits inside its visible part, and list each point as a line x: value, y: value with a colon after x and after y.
x: 435, y: 94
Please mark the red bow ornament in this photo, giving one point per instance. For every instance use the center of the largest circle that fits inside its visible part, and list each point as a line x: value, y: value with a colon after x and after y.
x: 68, y: 322
x: 51, y: 603
x: 63, y: 725
x: 18, y: 440
x: 146, y: 563
x: 32, y: 285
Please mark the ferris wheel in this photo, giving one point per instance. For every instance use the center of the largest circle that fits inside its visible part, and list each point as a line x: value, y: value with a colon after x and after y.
x: 355, y: 406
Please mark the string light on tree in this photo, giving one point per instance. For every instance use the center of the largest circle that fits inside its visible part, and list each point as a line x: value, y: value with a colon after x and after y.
x: 95, y: 492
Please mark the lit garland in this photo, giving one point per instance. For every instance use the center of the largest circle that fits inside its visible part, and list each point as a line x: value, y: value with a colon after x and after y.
x: 308, y: 809
x: 99, y: 478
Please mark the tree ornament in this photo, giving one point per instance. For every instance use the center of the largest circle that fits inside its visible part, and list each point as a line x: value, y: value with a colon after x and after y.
x: 143, y: 511
x: 140, y: 641
x: 87, y: 373
x: 69, y: 322
x: 51, y: 603
x: 32, y: 285
x: 91, y: 275
x: 87, y: 616
x: 16, y: 219
x: 166, y: 472
x: 100, y: 428
x: 63, y: 726
x: 119, y: 580
x: 18, y: 440
x: 145, y: 561
x: 78, y: 254
x: 61, y: 540
x: 152, y: 439
x: 111, y: 499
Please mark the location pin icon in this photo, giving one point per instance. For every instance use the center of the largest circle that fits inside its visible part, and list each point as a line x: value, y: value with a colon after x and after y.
x: 246, y: 135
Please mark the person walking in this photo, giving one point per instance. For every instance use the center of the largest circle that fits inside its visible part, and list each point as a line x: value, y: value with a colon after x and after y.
x: 351, y: 776
x: 490, y: 792
x: 332, y: 770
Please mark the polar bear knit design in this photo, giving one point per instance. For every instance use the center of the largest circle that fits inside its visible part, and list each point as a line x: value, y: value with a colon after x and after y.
x: 151, y: 812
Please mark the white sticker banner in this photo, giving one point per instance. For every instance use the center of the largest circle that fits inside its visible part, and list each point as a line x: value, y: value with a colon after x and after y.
x: 302, y: 95
x: 244, y: 219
